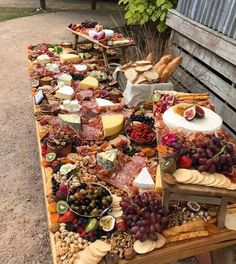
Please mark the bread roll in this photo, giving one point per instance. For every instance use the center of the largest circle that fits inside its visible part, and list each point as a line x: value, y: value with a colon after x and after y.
x: 169, y: 69
x: 160, y: 69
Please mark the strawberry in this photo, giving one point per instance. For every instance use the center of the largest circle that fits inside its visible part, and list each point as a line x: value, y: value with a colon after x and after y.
x: 67, y: 217
x: 185, y: 162
x: 82, y: 234
x: 122, y: 142
x: 121, y: 226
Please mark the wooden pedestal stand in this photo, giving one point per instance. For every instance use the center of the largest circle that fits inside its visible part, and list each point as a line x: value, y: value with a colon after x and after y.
x: 123, y: 47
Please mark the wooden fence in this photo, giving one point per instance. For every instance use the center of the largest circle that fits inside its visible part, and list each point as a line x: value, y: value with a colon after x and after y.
x: 209, y: 64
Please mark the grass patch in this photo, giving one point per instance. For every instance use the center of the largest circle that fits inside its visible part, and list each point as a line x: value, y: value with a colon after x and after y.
x: 7, y: 13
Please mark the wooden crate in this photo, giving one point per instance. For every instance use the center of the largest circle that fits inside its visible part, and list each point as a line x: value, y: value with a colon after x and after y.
x: 209, y: 64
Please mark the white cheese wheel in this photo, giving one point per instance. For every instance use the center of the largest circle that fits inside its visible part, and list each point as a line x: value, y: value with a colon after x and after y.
x: 209, y: 123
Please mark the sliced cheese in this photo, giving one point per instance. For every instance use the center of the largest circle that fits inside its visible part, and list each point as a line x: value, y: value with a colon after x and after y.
x: 43, y: 59
x: 112, y: 124
x: 65, y: 93
x: 89, y: 82
x: 144, y: 180
x: 69, y: 57
x: 72, y: 120
x: 158, y: 180
x: 103, y: 103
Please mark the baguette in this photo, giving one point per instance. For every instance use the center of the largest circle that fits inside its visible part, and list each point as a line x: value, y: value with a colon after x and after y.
x: 160, y: 69
x: 170, y: 68
x: 163, y: 60
x: 150, y: 58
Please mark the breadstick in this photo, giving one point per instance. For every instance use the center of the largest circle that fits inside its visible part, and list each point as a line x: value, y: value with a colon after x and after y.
x: 187, y: 235
x: 171, y: 67
x: 195, y: 225
x: 163, y: 60
x: 150, y: 57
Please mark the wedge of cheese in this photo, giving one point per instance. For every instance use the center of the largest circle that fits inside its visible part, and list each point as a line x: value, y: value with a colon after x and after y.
x: 69, y: 57
x: 65, y: 93
x: 103, y: 103
x: 144, y: 180
x: 89, y: 82
x: 158, y: 180
x: 112, y: 124
x: 107, y: 159
x: 71, y: 106
x: 71, y: 120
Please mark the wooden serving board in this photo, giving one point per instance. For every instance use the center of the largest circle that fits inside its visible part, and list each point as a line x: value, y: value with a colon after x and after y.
x: 132, y: 43
x: 200, y: 190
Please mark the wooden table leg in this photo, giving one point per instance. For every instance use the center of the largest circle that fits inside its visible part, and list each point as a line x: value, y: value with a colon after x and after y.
x: 165, y: 200
x: 222, y: 212
x: 76, y: 41
x: 124, y: 54
x: 104, y: 54
x: 224, y: 255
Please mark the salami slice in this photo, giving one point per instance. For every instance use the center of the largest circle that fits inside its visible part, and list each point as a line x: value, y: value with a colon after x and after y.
x: 85, y: 94
x: 90, y: 132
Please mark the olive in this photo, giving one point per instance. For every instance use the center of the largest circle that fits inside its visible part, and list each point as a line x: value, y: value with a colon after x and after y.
x: 92, y: 204
x: 104, y: 192
x: 97, y: 201
x: 109, y: 198
x: 72, y: 207
x: 72, y: 197
x: 83, y: 191
x: 94, y: 211
x: 89, y: 196
x: 85, y: 213
x: 104, y: 202
x: 83, y: 185
x: 77, y: 208
x: 77, y: 203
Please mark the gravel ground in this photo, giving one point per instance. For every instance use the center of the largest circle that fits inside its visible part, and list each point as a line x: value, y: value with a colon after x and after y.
x: 23, y: 226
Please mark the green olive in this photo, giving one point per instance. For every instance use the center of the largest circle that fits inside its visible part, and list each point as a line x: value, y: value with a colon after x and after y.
x: 83, y: 191
x: 109, y: 198
x: 104, y: 201
x: 72, y: 197
x: 94, y: 212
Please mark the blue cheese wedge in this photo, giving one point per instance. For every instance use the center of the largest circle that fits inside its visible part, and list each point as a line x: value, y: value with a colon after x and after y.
x: 144, y: 180
x: 107, y: 159
x: 71, y: 120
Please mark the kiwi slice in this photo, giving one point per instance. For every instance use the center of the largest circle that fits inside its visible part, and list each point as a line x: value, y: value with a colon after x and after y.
x: 50, y: 157
x: 62, y: 207
x: 91, y: 225
x: 193, y: 206
x: 156, y: 97
x: 169, y: 166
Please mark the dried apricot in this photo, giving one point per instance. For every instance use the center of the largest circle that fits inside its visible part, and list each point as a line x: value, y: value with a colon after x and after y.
x: 54, y: 218
x: 52, y: 207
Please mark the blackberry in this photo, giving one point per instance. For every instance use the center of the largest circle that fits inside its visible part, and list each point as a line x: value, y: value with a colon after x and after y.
x: 77, y: 76
x: 142, y: 118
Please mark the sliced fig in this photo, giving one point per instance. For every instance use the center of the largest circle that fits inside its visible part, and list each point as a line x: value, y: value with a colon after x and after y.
x: 190, y: 113
x: 200, y: 113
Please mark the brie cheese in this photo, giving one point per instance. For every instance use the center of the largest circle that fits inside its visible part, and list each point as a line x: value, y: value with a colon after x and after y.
x: 103, y: 103
x: 144, y: 180
x: 65, y: 92
x: 71, y: 120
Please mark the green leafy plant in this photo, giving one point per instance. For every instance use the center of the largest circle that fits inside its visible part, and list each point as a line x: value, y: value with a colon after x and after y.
x: 144, y: 11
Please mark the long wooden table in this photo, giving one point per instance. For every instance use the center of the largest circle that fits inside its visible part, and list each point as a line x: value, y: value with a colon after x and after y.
x: 123, y: 47
x: 164, y: 255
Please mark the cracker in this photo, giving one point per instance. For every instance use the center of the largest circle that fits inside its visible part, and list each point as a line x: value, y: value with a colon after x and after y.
x: 161, y: 241
x: 143, y: 62
x: 131, y: 74
x: 151, y: 75
x: 144, y: 247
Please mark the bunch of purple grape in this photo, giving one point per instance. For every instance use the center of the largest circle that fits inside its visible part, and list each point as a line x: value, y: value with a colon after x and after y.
x: 144, y: 216
x: 212, y: 155
x: 88, y: 23
x: 216, y: 155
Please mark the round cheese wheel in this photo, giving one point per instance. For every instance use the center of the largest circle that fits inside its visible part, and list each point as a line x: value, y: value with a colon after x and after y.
x: 209, y: 123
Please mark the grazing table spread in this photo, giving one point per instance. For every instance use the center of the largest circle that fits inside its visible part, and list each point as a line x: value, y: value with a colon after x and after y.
x: 106, y: 164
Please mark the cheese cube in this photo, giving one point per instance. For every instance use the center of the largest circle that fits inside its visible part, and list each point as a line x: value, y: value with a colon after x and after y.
x: 69, y: 57
x: 89, y: 82
x: 65, y: 78
x: 144, y: 180
x: 65, y: 93
x: 112, y: 124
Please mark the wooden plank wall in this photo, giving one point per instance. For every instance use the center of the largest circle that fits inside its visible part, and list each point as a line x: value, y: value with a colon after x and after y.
x: 209, y: 64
